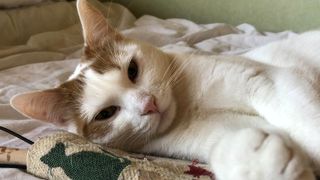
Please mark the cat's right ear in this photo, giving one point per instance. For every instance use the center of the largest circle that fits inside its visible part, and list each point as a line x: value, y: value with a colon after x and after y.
x: 45, y: 105
x: 96, y: 29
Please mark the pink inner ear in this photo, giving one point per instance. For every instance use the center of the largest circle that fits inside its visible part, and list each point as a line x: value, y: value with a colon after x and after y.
x: 43, y: 105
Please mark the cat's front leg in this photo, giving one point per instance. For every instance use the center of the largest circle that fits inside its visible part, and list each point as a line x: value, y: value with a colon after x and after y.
x: 290, y: 101
x: 251, y: 154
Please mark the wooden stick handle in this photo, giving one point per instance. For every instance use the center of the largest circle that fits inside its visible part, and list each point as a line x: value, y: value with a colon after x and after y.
x: 13, y: 156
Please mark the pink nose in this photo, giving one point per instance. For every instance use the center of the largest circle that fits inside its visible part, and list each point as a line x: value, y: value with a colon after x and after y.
x: 149, y: 106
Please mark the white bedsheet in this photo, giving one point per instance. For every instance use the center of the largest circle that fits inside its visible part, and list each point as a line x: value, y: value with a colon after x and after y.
x: 178, y: 35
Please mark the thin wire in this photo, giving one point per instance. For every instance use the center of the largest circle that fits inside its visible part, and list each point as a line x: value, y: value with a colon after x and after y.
x: 18, y: 166
x: 16, y: 135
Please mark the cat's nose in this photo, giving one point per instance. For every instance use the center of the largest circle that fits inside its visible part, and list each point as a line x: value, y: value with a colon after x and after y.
x: 149, y: 106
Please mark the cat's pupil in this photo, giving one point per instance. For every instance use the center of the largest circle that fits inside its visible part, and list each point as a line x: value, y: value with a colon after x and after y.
x: 106, y: 113
x: 133, y: 70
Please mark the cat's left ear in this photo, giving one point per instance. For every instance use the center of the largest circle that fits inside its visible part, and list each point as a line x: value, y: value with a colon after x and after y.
x: 96, y: 29
x: 48, y: 105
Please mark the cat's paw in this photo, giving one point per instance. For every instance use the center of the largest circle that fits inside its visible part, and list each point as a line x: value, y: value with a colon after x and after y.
x: 252, y: 154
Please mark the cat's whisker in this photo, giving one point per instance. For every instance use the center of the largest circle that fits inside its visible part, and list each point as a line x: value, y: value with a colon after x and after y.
x: 169, y: 69
x: 179, y: 76
x: 108, y: 10
x: 173, y: 69
x: 176, y: 75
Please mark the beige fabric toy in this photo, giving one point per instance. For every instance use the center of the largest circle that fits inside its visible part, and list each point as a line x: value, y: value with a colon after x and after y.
x: 68, y: 156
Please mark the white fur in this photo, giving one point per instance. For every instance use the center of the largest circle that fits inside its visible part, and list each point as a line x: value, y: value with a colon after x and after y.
x: 99, y: 91
x: 80, y: 67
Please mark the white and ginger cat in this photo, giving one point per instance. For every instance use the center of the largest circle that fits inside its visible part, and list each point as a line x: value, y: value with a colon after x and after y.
x: 249, y: 119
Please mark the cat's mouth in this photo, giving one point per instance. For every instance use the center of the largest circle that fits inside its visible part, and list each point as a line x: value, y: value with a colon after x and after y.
x: 165, y: 117
x: 163, y: 114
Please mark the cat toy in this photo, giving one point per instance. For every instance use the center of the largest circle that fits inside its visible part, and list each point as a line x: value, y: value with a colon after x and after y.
x: 68, y: 156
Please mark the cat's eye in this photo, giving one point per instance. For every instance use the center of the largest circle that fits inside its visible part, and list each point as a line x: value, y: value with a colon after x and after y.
x: 133, y: 70
x: 106, y: 113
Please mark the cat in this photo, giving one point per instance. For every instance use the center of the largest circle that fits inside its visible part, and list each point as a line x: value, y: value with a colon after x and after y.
x: 249, y: 117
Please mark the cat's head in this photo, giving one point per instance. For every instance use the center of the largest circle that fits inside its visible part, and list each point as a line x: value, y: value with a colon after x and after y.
x: 119, y: 95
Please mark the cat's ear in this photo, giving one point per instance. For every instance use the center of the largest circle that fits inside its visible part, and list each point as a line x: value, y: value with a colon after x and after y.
x: 96, y: 29
x: 45, y: 105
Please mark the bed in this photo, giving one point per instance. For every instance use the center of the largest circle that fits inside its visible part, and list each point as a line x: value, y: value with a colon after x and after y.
x: 40, y: 45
